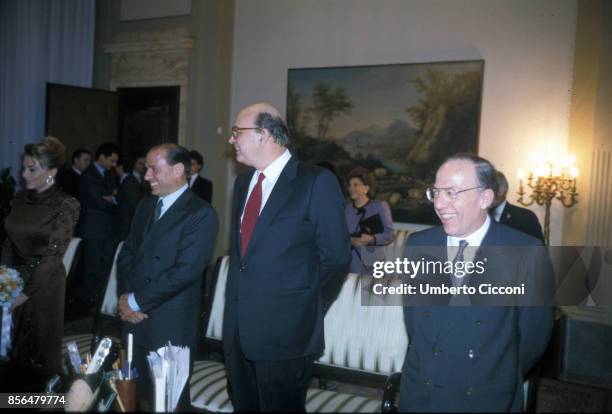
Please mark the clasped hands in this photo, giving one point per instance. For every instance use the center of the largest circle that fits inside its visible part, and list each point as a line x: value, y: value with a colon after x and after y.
x: 363, y: 240
x: 127, y: 314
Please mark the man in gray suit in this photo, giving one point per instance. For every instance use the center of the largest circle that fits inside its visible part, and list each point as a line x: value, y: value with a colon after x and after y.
x: 161, y: 265
x: 473, y: 358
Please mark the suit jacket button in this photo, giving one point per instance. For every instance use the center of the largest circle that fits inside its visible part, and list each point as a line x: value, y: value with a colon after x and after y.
x: 426, y: 314
x: 428, y: 382
x: 436, y: 351
x: 243, y: 268
x: 479, y: 322
x: 470, y: 391
x: 470, y: 353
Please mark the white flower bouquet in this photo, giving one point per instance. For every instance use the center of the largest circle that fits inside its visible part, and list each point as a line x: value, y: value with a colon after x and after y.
x: 11, y: 285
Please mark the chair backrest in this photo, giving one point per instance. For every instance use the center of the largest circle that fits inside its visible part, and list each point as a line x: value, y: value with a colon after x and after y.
x: 368, y: 338
x: 70, y: 254
x: 214, y: 328
x: 109, y: 304
x: 400, y: 237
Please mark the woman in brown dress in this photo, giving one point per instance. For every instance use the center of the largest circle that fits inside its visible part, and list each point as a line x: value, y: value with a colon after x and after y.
x: 39, y: 228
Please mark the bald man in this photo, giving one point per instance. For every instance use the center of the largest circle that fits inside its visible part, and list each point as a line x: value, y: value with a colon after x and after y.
x: 290, y: 252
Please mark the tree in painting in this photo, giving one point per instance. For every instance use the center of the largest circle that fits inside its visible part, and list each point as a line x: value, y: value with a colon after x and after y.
x: 328, y: 104
x: 444, y: 115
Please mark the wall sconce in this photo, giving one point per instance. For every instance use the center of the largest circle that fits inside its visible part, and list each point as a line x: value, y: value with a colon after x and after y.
x: 550, y: 179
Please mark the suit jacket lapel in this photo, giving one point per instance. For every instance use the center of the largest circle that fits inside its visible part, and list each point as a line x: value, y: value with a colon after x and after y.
x: 281, y: 192
x: 155, y: 229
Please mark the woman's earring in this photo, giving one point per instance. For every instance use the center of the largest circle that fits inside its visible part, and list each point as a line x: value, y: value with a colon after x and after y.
x: 50, y: 180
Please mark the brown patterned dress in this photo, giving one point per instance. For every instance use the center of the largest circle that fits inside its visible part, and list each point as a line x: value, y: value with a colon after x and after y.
x: 39, y: 229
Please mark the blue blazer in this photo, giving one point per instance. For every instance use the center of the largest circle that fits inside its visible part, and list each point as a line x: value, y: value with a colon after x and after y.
x: 474, y: 358
x: 295, y: 263
x: 162, y: 263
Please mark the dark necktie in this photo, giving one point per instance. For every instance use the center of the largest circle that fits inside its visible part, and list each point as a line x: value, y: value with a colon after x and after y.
x: 251, y: 214
x: 158, y: 210
x: 458, y: 281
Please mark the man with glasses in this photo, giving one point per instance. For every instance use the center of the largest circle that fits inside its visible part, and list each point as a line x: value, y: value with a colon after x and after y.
x: 471, y: 358
x: 289, y: 253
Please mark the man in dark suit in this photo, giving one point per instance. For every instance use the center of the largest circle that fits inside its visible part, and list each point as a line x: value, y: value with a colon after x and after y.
x: 202, y: 187
x: 289, y: 253
x: 518, y: 218
x: 70, y: 178
x: 473, y: 358
x: 131, y: 191
x: 161, y: 264
x: 98, y: 204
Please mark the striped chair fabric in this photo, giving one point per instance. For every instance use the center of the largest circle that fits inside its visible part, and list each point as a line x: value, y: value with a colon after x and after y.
x: 208, y: 391
x: 362, y: 338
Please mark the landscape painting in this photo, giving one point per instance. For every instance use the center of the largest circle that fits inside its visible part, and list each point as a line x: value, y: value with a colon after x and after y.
x: 400, y: 121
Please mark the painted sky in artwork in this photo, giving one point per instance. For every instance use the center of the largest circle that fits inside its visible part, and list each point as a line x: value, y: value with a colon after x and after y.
x: 380, y: 94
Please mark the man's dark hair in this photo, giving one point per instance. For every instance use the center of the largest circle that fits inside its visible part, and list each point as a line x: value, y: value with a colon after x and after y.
x: 197, y: 157
x: 176, y: 154
x: 107, y: 149
x: 135, y: 157
x: 77, y: 154
x: 485, y: 171
x: 275, y: 126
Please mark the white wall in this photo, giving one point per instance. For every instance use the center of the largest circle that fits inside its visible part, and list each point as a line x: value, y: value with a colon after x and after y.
x: 527, y: 46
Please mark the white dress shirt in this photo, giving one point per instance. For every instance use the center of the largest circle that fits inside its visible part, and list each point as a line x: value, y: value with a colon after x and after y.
x: 271, y: 173
x: 498, y: 211
x: 474, y: 240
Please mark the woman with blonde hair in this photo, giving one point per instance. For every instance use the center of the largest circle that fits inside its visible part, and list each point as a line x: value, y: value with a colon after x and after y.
x: 39, y: 228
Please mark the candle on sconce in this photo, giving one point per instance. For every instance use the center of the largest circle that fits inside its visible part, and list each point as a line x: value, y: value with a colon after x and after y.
x: 574, y: 174
x: 520, y: 174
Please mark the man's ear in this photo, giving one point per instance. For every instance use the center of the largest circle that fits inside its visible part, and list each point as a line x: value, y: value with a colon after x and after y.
x: 178, y: 169
x: 486, y: 199
x: 264, y: 135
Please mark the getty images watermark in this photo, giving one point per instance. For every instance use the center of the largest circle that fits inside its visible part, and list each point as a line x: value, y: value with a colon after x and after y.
x: 486, y: 275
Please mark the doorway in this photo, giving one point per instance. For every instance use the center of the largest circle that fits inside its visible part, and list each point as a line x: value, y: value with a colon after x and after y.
x: 147, y: 117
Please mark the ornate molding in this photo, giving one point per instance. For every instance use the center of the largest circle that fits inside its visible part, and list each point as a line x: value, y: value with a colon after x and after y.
x: 141, y: 59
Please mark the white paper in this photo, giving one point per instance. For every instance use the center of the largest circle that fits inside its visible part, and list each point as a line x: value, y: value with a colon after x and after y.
x: 169, y: 370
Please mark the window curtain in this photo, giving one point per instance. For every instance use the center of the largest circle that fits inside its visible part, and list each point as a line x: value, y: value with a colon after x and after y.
x: 40, y: 41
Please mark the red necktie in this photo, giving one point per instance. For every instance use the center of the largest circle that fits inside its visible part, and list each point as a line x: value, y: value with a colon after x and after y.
x: 251, y: 214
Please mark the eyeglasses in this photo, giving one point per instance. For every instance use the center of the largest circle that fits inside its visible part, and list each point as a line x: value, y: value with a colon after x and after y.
x: 237, y: 130
x: 451, y: 193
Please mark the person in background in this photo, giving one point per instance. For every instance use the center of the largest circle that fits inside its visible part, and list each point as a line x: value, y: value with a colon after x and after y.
x: 39, y: 229
x: 70, y: 178
x: 98, y: 190
x: 369, y: 221
x: 519, y: 218
x: 131, y: 191
x: 202, y: 187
